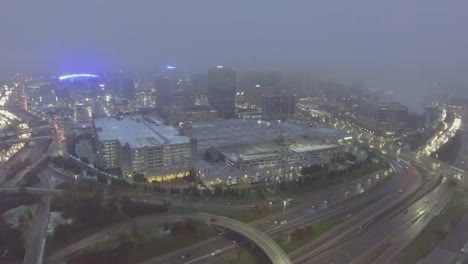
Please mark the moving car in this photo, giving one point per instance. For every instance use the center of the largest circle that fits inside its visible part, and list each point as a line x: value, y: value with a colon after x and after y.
x: 216, y: 252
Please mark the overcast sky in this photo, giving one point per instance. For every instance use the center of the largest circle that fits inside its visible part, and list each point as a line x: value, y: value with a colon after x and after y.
x: 387, y: 43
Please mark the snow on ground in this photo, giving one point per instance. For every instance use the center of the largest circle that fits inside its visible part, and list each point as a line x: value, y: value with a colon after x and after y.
x: 14, y: 215
x: 56, y: 219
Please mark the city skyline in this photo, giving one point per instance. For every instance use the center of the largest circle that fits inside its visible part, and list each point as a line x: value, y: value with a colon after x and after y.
x: 212, y: 132
x: 389, y: 45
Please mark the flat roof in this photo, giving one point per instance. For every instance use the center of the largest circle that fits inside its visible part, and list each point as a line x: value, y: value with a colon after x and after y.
x: 330, y: 132
x: 271, y: 149
x: 138, y: 131
x: 308, y: 148
x: 240, y: 132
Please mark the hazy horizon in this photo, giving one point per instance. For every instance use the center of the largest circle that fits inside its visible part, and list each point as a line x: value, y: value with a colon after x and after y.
x: 397, y: 45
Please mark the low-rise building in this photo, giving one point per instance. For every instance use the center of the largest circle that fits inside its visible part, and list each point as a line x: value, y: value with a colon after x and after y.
x: 140, y: 144
x: 249, y: 144
x: 280, y: 153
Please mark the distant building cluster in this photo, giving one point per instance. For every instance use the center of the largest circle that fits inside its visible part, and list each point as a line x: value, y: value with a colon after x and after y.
x: 165, y: 123
x: 382, y: 118
x: 141, y: 144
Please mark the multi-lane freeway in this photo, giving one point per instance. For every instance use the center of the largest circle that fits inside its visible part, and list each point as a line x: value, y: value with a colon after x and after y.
x: 315, y: 212
x: 37, y: 235
x: 313, y: 209
x: 383, y: 241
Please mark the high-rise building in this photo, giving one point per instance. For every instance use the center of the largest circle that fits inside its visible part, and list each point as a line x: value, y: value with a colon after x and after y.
x: 256, y: 84
x: 120, y: 85
x: 222, y: 90
x: 199, y: 84
x: 127, y: 89
x: 382, y: 118
x: 186, y: 115
x: 182, y: 98
x: 278, y: 107
x: 163, y: 92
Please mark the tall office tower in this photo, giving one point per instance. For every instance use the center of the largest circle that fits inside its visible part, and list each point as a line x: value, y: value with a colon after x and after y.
x: 222, y: 90
x: 126, y: 88
x: 121, y: 85
x: 199, y: 84
x: 382, y: 118
x: 278, y: 107
x: 163, y: 92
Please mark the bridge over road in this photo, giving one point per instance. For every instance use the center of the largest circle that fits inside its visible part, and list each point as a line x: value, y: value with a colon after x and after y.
x: 268, y: 245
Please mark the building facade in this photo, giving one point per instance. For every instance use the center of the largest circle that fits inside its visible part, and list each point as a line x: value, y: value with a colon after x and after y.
x: 274, y: 155
x: 142, y: 145
x: 120, y: 85
x: 163, y: 92
x: 185, y: 115
x: 199, y: 84
x: 222, y: 91
x: 278, y: 107
x: 382, y: 118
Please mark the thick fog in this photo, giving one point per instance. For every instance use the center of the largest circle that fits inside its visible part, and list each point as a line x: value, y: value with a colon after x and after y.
x: 396, y: 44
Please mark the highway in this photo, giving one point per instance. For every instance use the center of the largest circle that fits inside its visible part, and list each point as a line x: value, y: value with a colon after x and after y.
x: 304, y: 216
x: 263, y: 241
x: 109, y: 232
x: 389, y: 237
x: 462, y: 158
x: 363, y: 218
x: 271, y: 249
x: 36, y: 154
x: 35, y: 244
x: 148, y: 198
x: 334, y: 195
x: 383, y: 242
x: 392, y: 148
x: 401, y: 229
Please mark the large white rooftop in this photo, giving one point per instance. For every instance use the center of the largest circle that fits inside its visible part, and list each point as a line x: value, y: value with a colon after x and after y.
x: 272, y: 149
x: 240, y: 132
x: 138, y: 131
x: 308, y: 148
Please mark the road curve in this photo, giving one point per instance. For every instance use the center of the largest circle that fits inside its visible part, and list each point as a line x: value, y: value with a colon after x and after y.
x: 268, y: 245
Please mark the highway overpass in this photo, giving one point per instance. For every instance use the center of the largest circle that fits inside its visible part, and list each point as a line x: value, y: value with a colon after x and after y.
x: 268, y: 245
x: 274, y: 252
